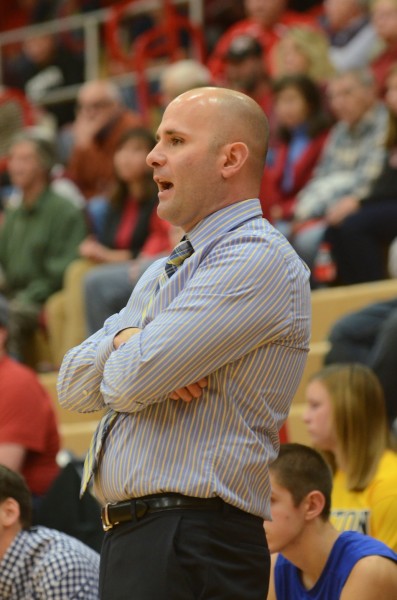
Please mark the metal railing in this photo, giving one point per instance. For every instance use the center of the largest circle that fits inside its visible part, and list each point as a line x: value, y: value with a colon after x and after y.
x: 90, y: 23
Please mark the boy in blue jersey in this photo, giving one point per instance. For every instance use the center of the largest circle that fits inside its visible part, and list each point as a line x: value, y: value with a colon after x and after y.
x: 315, y: 561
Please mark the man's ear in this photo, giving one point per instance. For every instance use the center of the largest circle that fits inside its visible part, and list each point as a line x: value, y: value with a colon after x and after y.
x: 314, y: 504
x: 9, y: 512
x: 234, y: 157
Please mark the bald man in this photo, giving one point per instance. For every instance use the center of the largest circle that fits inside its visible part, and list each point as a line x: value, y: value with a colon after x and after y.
x: 101, y: 119
x: 197, y: 372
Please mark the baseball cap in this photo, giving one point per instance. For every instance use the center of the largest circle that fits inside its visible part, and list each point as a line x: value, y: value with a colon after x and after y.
x: 242, y: 47
x: 4, y: 312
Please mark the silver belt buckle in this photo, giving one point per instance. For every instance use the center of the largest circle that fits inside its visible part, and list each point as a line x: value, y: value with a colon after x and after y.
x: 106, y: 524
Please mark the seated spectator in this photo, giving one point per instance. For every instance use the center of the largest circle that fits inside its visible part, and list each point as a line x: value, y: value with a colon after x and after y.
x: 352, y: 158
x: 303, y: 126
x: 36, y: 562
x: 266, y: 21
x: 218, y: 16
x: 100, y: 122
x: 180, y: 76
x: 44, y: 65
x: 43, y: 232
x: 131, y: 229
x: 317, y: 562
x: 351, y: 35
x: 29, y: 440
x: 303, y: 50
x: 369, y: 336
x: 384, y: 19
x: 345, y: 417
x: 360, y: 230
x: 107, y: 289
x: 245, y: 71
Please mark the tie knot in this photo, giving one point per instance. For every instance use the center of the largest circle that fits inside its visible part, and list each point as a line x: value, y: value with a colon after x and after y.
x: 179, y: 254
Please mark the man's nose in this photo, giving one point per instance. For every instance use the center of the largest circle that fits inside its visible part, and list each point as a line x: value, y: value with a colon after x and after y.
x: 155, y: 158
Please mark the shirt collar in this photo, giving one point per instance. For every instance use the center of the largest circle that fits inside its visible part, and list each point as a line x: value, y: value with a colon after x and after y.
x: 224, y: 220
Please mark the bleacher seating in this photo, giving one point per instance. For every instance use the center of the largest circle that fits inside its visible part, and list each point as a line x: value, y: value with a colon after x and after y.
x: 328, y: 305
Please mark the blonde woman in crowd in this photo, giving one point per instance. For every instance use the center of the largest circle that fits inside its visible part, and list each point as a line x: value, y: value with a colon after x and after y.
x: 346, y: 419
x: 303, y: 50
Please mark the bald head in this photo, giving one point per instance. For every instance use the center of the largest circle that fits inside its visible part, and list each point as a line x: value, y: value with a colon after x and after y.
x: 210, y: 153
x: 100, y: 89
x: 231, y: 117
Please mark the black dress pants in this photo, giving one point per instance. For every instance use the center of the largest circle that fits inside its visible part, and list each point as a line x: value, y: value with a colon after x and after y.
x: 184, y: 554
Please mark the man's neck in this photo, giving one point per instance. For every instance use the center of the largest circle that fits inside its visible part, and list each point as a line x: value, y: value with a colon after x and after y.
x: 311, y: 554
x: 6, y: 538
x: 31, y: 194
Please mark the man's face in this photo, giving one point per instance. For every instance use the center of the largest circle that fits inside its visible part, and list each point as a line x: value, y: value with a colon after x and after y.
x: 265, y: 12
x: 40, y: 49
x: 95, y: 105
x: 244, y: 75
x: 288, y: 520
x: 350, y: 99
x: 24, y: 166
x: 186, y: 162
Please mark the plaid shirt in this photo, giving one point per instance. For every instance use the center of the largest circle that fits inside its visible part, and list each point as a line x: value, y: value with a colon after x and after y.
x: 44, y: 564
x: 352, y: 159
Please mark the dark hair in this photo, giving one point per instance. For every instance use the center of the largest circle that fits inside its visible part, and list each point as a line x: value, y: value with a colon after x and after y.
x: 12, y: 485
x: 120, y: 193
x: 301, y: 470
x: 318, y: 119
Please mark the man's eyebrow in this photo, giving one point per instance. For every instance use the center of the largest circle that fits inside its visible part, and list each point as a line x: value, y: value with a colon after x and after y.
x: 169, y: 132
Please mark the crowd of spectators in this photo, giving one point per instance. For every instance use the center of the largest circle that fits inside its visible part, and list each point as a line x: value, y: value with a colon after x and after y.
x: 78, y: 220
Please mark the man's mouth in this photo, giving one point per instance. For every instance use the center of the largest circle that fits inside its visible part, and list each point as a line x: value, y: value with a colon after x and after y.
x: 163, y: 184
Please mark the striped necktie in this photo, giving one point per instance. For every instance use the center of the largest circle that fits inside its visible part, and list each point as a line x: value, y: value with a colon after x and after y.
x: 179, y: 254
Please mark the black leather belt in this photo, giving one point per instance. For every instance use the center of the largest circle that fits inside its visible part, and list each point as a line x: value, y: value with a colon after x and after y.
x: 135, y: 509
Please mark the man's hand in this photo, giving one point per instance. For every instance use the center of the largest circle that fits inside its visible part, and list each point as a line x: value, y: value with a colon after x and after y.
x: 190, y: 392
x: 124, y: 336
x: 342, y: 209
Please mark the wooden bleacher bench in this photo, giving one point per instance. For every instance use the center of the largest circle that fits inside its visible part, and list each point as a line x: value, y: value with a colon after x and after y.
x: 330, y: 304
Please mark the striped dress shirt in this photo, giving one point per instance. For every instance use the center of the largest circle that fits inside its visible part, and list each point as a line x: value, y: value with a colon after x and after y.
x: 238, y: 312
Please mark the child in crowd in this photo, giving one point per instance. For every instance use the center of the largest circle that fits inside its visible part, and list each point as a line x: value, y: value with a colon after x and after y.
x: 316, y: 561
x: 303, y: 126
x: 346, y: 418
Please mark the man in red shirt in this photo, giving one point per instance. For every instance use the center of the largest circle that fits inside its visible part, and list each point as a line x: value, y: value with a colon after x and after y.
x: 29, y: 439
x: 266, y: 21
